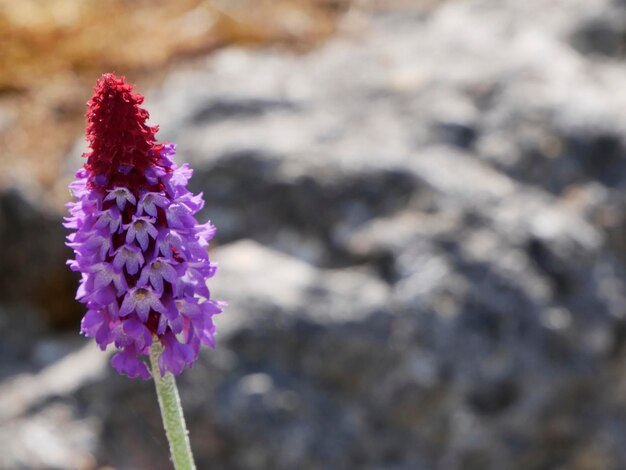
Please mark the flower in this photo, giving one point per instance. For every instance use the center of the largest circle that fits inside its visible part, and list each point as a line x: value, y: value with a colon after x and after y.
x: 137, y: 244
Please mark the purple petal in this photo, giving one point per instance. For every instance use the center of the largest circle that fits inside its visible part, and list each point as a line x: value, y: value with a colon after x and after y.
x: 174, y: 356
x: 128, y: 304
x: 126, y: 362
x: 142, y: 238
x: 157, y: 281
x: 92, y: 320
x: 138, y: 332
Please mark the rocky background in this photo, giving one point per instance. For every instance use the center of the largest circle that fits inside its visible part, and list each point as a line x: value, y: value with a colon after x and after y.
x: 421, y: 239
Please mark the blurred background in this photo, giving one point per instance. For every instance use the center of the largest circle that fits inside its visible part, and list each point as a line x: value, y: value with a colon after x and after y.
x: 421, y: 231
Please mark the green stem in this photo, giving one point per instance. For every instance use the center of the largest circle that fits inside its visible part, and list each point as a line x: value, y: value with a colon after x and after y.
x: 172, y: 413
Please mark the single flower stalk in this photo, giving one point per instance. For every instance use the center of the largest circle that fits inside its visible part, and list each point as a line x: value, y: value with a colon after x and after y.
x: 140, y: 250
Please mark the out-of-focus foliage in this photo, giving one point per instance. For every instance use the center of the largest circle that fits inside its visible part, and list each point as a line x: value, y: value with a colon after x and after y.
x: 54, y: 36
x: 52, y: 50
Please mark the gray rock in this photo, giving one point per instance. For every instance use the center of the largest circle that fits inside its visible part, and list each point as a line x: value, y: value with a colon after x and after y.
x: 32, y: 259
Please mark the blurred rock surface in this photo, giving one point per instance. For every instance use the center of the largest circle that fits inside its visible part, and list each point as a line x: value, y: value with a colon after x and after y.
x: 421, y: 238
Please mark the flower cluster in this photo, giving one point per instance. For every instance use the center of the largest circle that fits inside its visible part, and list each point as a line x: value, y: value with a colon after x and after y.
x: 141, y: 252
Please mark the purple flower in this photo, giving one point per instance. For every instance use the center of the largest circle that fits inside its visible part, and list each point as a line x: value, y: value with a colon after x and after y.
x: 149, y: 203
x: 102, y: 275
x: 168, y: 243
x: 95, y: 244
x: 138, y: 246
x: 179, y: 216
x: 129, y: 256
x: 111, y: 219
x: 141, y: 229
x: 127, y: 362
x: 121, y: 197
x: 141, y: 300
x: 156, y: 272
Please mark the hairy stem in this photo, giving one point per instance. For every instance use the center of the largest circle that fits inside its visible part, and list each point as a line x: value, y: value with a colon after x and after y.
x: 172, y: 413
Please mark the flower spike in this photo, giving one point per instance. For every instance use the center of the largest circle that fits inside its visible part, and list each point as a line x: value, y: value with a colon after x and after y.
x: 137, y: 243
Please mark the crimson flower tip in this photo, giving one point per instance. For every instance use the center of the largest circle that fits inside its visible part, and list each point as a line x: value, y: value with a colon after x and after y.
x: 122, y: 146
